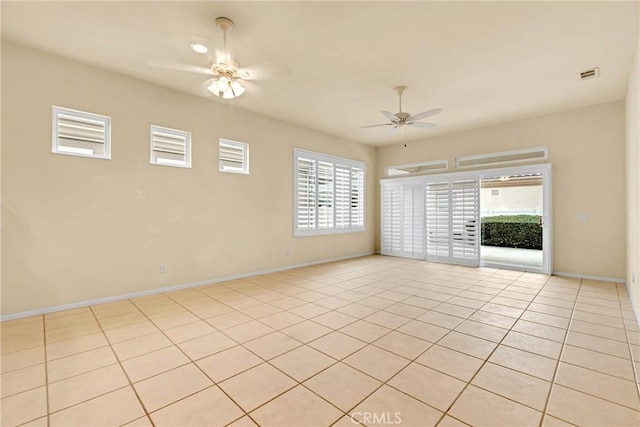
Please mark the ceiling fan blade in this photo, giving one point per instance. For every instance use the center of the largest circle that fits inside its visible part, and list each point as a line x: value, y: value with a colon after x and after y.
x: 426, y: 114
x: 390, y: 116
x: 264, y: 72
x: 422, y: 125
x: 373, y: 126
x: 181, y: 67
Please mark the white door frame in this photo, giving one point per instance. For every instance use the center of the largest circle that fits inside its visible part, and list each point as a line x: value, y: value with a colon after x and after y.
x: 547, y: 217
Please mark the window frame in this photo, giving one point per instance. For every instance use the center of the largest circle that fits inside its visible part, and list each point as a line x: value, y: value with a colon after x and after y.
x: 245, y: 157
x: 439, y: 167
x: 175, y: 132
x: 55, y: 140
x: 354, y: 166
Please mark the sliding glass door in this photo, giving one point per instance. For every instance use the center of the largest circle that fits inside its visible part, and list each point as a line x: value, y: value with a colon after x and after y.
x: 515, y: 217
x: 450, y: 218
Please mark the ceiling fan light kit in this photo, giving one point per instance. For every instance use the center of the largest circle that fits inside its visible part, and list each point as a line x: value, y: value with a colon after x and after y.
x: 402, y: 118
x: 226, y: 80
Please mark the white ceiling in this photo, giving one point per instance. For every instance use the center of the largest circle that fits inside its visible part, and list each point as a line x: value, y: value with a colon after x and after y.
x: 481, y: 62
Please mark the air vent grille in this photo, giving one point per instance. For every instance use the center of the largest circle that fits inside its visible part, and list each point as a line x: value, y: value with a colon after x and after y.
x: 589, y: 74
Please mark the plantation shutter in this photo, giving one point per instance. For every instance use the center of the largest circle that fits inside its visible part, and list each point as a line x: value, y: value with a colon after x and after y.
x: 465, y: 206
x: 437, y: 205
x: 342, y: 196
x: 391, y: 224
x: 306, y: 193
x: 402, y: 222
x: 233, y: 156
x: 325, y: 195
x: 329, y: 194
x: 357, y: 197
x: 80, y: 133
x: 413, y: 221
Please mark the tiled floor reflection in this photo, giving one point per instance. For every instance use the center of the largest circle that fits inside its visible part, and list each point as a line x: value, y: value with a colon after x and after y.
x: 375, y: 340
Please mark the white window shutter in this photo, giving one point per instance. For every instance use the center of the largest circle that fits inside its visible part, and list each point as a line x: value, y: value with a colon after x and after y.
x: 413, y: 221
x: 357, y: 197
x: 329, y: 194
x: 170, y: 147
x: 233, y: 156
x: 465, y: 206
x: 81, y: 134
x: 437, y: 221
x: 306, y: 193
x: 391, y: 224
x: 342, y: 196
x: 325, y: 195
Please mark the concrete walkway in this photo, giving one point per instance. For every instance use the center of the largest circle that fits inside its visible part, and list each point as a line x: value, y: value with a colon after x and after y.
x: 511, y: 256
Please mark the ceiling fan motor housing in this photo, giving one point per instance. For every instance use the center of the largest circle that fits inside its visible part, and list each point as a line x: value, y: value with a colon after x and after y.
x: 402, y: 116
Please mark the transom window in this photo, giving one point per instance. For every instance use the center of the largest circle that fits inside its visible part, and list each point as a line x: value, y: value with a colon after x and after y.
x: 329, y: 194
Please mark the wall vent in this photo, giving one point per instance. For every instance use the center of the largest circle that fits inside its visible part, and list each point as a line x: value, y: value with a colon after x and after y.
x: 590, y: 73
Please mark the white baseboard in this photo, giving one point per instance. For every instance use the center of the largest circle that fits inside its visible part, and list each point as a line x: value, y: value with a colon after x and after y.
x: 587, y: 276
x: 636, y: 309
x: 37, y: 312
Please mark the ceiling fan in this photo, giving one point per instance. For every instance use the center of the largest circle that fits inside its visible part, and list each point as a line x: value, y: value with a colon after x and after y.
x: 229, y: 80
x: 405, y: 119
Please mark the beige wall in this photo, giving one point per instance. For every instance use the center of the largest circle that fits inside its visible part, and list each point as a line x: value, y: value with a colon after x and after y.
x: 77, y: 229
x: 586, y: 148
x: 633, y: 182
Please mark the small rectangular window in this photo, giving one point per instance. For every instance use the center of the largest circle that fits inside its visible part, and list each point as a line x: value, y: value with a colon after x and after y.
x: 83, y: 134
x: 504, y: 157
x: 418, y: 168
x: 233, y: 156
x: 170, y: 147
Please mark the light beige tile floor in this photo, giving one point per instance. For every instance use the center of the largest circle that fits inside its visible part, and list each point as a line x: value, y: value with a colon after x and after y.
x: 375, y: 340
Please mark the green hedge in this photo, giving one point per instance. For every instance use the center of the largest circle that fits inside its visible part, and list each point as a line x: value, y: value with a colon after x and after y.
x: 512, y: 231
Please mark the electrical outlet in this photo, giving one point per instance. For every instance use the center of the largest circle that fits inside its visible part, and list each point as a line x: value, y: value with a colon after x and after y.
x: 633, y: 277
x: 286, y: 252
x: 581, y: 217
x: 163, y: 268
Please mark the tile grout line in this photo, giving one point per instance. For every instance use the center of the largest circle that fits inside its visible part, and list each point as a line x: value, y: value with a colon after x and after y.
x: 486, y: 360
x: 557, y: 368
x: 214, y: 383
x: 633, y: 365
x: 444, y: 413
x: 144, y: 408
